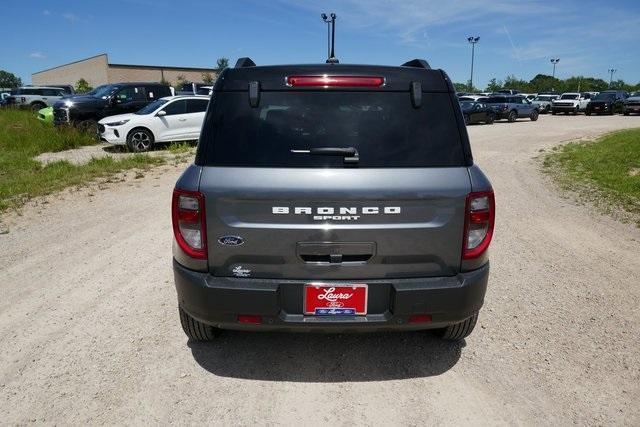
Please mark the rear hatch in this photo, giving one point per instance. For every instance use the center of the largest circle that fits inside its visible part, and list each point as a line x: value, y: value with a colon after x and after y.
x: 273, y: 210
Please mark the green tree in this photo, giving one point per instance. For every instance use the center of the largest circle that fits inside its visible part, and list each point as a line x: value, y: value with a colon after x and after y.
x: 165, y: 81
x: 512, y: 82
x: 180, y: 80
x: 222, y: 63
x: 494, y: 85
x: 207, y: 78
x: 82, y: 86
x: 9, y: 80
x: 461, y: 87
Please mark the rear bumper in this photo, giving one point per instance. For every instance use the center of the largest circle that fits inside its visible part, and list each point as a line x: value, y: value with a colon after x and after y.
x: 218, y: 301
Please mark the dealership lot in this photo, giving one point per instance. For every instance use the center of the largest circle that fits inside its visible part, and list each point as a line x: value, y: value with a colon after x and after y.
x: 90, y: 332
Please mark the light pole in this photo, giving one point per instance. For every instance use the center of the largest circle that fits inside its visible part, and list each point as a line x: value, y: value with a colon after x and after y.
x: 611, y: 71
x: 473, y: 41
x: 554, y: 61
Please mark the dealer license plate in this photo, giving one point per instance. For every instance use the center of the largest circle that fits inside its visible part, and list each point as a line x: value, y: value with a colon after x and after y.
x: 322, y: 299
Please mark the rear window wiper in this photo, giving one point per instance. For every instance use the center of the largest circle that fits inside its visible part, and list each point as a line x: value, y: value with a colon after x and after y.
x: 349, y: 154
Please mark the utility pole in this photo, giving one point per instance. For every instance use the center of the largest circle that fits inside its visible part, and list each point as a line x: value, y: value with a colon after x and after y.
x: 473, y: 40
x: 611, y: 71
x: 331, y: 37
x: 554, y: 61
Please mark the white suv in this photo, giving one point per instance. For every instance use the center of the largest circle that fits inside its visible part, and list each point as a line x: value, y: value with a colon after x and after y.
x: 570, y: 102
x: 173, y: 118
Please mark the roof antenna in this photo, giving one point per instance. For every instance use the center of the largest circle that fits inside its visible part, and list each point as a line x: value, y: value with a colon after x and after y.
x: 331, y: 40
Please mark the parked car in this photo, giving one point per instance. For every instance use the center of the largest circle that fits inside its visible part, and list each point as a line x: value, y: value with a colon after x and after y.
x: 46, y: 115
x: 508, y: 91
x: 119, y: 98
x: 529, y: 96
x: 4, y: 96
x: 173, y: 118
x: 632, y: 104
x: 470, y: 97
x: 512, y: 107
x: 314, y: 204
x: 190, y: 88
x: 67, y: 89
x: 607, y: 102
x: 35, y: 97
x: 476, y: 112
x: 543, y: 102
x: 571, y: 102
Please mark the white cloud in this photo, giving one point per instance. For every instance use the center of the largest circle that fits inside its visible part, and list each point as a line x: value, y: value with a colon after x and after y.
x: 71, y: 17
x: 37, y: 55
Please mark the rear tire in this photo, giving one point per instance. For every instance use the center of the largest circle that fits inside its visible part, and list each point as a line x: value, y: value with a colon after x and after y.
x: 553, y: 112
x: 195, y: 330
x: 458, y: 331
x: 37, y: 106
x: 490, y: 119
x: 466, y: 119
x: 512, y: 117
x: 626, y: 113
x: 534, y: 115
x: 587, y: 113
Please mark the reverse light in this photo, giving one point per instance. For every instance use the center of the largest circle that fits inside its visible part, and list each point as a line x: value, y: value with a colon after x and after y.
x: 479, y: 222
x: 335, y: 81
x: 189, y: 226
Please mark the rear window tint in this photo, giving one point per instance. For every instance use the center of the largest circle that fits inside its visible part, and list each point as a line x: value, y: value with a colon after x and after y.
x: 383, y: 126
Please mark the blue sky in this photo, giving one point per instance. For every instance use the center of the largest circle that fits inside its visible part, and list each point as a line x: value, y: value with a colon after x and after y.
x: 516, y: 37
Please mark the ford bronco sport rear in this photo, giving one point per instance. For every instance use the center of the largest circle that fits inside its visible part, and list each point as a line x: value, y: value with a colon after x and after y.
x: 332, y: 198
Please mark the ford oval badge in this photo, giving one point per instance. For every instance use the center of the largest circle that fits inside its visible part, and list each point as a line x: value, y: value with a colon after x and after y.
x: 231, y: 240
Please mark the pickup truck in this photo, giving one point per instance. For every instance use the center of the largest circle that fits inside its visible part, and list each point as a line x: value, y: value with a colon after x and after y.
x: 571, y: 102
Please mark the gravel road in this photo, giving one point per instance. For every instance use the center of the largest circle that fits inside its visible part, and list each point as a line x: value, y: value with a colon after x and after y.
x: 90, y: 334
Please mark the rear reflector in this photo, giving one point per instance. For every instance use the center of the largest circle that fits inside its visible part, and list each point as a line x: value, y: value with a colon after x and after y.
x: 420, y: 318
x: 189, y: 227
x: 249, y: 319
x: 335, y: 81
x: 478, y: 226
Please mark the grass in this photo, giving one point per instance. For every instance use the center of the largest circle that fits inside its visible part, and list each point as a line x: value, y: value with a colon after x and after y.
x: 23, y: 137
x: 606, y: 170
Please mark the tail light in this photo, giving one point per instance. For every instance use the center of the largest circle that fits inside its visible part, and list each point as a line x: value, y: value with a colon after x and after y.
x: 478, y: 225
x: 189, y: 225
x: 335, y: 81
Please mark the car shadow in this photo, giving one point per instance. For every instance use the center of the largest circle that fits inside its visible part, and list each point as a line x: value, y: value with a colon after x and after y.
x: 328, y: 358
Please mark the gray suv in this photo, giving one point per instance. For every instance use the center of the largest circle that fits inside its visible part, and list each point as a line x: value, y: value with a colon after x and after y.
x: 512, y: 107
x: 332, y: 198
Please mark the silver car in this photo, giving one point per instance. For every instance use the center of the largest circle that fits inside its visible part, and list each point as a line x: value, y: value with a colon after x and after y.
x: 543, y: 102
x: 36, y: 97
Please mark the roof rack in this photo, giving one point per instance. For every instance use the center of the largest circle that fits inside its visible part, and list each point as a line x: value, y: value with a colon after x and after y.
x: 417, y: 63
x: 244, y: 62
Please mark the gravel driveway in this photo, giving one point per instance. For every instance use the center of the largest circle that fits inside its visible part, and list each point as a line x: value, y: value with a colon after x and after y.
x: 90, y: 332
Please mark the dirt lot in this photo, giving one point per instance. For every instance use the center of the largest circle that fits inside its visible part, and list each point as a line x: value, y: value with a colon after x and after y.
x: 90, y: 332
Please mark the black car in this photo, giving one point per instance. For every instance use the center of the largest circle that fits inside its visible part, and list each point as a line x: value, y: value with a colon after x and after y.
x: 632, y: 104
x: 108, y: 100
x: 607, y: 102
x: 477, y: 112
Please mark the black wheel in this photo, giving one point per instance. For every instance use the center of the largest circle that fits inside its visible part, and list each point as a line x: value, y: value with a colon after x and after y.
x: 88, y: 126
x: 587, y: 113
x: 534, y: 115
x: 195, y: 330
x: 553, y: 112
x: 512, y: 117
x: 38, y: 106
x: 458, y: 331
x: 466, y: 119
x: 547, y: 109
x: 490, y: 119
x: 626, y: 113
x: 140, y: 140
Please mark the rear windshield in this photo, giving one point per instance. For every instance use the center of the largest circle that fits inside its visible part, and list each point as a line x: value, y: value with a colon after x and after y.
x: 383, y: 127
x: 496, y: 100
